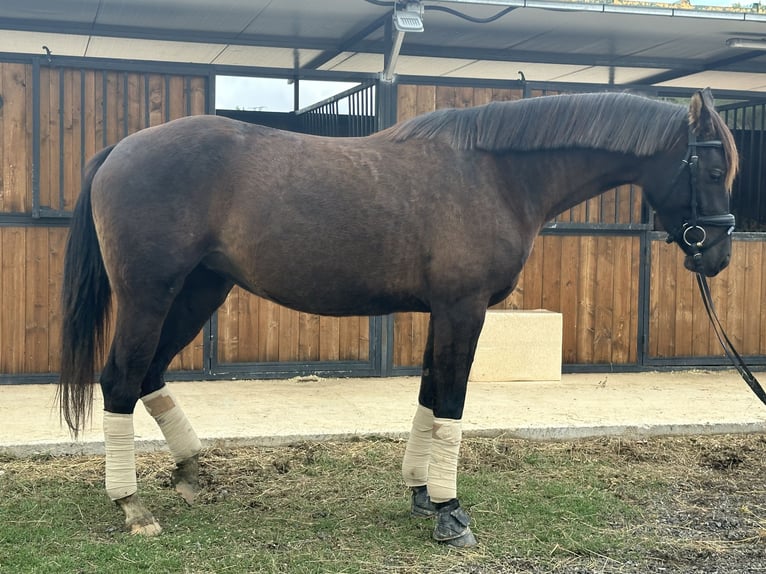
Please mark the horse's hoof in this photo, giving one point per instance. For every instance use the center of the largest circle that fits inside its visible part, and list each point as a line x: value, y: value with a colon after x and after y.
x: 422, y: 507
x: 138, y: 520
x: 148, y: 528
x: 452, y: 526
x: 185, y: 479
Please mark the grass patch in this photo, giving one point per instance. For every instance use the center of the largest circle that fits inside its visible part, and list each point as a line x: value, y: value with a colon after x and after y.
x: 609, y: 505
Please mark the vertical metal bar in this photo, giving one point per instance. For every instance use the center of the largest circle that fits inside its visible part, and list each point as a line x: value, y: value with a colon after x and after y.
x: 36, y: 137
x: 210, y: 93
x: 752, y: 168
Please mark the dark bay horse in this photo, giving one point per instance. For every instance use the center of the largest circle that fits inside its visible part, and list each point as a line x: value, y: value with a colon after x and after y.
x: 437, y: 214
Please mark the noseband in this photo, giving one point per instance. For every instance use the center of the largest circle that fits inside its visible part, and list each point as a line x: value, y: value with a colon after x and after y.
x: 691, y: 235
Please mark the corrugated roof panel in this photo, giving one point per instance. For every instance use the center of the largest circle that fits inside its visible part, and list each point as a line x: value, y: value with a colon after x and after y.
x: 264, y: 57
x: 33, y: 42
x: 100, y: 47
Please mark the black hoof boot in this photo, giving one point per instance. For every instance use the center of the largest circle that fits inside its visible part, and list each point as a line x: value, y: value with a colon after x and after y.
x: 452, y: 525
x: 422, y: 507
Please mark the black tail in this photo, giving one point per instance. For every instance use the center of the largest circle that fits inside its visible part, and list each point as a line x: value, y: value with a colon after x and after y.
x: 85, y: 303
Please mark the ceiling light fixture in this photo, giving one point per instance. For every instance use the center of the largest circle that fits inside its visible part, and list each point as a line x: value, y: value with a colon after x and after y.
x: 408, y: 18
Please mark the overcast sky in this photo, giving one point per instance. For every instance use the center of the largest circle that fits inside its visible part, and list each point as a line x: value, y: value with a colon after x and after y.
x: 270, y: 95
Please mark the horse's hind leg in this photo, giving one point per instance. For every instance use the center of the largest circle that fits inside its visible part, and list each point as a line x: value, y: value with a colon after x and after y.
x: 203, y: 292
x: 135, y: 341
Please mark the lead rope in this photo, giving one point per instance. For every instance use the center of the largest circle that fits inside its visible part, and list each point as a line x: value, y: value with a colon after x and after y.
x: 726, y: 343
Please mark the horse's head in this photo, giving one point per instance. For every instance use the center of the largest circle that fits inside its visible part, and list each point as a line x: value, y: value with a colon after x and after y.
x: 695, y: 210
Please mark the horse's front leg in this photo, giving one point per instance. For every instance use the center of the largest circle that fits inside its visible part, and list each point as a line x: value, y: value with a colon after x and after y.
x: 453, y: 333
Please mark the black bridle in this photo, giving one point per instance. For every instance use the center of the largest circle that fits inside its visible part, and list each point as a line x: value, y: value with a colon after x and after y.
x: 691, y: 235
x: 692, y: 238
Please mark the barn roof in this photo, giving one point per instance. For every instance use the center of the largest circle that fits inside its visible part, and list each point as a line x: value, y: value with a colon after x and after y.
x: 620, y: 42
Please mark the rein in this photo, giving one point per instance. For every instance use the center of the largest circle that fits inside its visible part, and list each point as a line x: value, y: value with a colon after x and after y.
x: 728, y: 347
x: 693, y: 237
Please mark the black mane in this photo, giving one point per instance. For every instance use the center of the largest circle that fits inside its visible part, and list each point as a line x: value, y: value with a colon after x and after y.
x: 617, y: 122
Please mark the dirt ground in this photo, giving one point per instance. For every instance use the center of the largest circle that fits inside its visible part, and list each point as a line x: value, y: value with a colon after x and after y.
x: 708, y: 511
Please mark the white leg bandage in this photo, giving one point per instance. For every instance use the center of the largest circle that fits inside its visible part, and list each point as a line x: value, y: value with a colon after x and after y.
x: 120, y: 455
x: 175, y: 427
x: 442, y: 472
x: 418, y: 451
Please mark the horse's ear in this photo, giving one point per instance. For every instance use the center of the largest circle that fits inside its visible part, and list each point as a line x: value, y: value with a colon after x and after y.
x: 701, y: 110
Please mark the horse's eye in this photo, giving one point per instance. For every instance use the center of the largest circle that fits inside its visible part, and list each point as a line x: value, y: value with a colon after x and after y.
x: 716, y: 175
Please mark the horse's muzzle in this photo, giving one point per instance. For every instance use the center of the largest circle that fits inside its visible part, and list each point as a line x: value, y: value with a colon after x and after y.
x: 697, y: 264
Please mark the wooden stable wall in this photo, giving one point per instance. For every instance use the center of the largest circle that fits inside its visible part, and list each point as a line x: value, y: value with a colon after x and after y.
x: 80, y: 111
x: 589, y: 266
x: 678, y: 323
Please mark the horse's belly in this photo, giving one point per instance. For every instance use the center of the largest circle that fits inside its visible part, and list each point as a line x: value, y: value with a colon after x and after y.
x: 324, y: 289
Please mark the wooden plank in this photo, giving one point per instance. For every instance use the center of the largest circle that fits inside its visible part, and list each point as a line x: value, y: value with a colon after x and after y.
x: 419, y: 338
x: 364, y: 338
x: 3, y: 153
x: 330, y: 339
x: 666, y: 314
x: 622, y: 319
x: 176, y: 97
x: 719, y: 290
x: 533, y: 276
x: 268, y: 331
x: 654, y: 299
x: 686, y: 289
x: 56, y: 246
x: 248, y: 327
x: 402, y: 339
x: 586, y: 307
x: 90, y: 115
x: 482, y: 96
x: 425, y: 100
x: 228, y: 328
x: 736, y: 306
x: 113, y: 108
x: 348, y: 338
x: 406, y: 106
x: 13, y: 302
x: 753, y: 276
x: 156, y: 99
x: 446, y: 97
x: 604, y: 299
x: 570, y: 257
x: 71, y: 139
x: 550, y: 296
x: 17, y: 165
x: 762, y: 297
x: 635, y: 274
x: 47, y: 126
x: 607, y: 203
x: 36, y: 265
x: 308, y: 337
x: 197, y: 96
x: 135, y: 96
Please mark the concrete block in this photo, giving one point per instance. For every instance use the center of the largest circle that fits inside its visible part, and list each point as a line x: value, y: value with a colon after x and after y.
x: 519, y: 346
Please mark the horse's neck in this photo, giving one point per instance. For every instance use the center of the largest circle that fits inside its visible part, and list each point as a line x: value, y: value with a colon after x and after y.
x: 565, y: 178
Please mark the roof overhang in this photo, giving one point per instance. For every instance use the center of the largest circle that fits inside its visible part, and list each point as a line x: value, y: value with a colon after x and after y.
x: 618, y: 43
